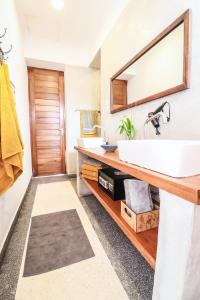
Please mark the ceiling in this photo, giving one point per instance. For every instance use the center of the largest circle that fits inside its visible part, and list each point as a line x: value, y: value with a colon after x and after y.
x: 72, y: 35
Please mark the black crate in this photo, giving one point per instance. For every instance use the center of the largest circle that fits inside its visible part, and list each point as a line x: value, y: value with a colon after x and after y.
x: 112, y: 182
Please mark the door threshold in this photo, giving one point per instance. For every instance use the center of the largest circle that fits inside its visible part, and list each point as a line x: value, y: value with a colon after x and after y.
x: 54, y: 175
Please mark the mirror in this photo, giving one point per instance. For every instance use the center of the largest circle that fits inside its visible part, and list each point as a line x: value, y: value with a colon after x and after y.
x: 160, y: 69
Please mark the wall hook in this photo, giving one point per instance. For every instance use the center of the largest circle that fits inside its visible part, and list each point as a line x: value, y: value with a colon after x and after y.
x: 3, y: 53
x: 5, y: 30
x: 8, y: 51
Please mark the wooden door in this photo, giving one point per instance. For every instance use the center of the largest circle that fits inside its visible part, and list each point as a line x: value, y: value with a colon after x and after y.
x: 46, y: 95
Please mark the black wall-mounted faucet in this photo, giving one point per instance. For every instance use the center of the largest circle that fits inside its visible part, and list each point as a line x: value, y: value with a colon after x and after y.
x: 154, y: 117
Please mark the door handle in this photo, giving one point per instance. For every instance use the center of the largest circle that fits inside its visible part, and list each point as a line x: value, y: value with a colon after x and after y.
x: 62, y: 131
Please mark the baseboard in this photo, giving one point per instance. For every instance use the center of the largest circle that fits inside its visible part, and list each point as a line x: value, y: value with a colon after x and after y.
x: 7, y: 240
x: 71, y: 176
x: 58, y: 175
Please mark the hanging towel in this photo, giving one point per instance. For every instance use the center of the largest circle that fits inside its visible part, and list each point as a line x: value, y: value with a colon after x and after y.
x: 88, y: 120
x: 11, y: 146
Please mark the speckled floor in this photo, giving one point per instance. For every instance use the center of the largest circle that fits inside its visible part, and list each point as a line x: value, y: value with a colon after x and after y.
x: 133, y: 271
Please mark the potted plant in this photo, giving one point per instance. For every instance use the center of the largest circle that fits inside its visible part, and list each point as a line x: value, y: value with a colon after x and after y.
x: 127, y: 128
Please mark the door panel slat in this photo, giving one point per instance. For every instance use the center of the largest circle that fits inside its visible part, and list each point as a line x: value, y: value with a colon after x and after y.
x: 47, y: 96
x: 41, y: 89
x: 47, y: 144
x: 47, y: 132
x: 49, y: 150
x: 54, y: 166
x: 45, y: 83
x: 47, y: 114
x: 50, y: 120
x: 46, y: 108
x: 43, y: 126
x: 45, y: 77
x: 48, y: 153
x: 46, y: 72
x: 48, y: 138
x: 42, y: 161
x: 47, y: 102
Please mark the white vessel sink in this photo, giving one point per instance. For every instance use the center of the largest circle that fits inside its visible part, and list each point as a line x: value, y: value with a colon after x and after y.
x: 89, y: 142
x: 177, y: 158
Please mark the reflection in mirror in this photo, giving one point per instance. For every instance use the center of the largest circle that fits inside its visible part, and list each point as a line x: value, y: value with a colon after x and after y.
x: 120, y: 89
x: 165, y: 60
x: 159, y: 71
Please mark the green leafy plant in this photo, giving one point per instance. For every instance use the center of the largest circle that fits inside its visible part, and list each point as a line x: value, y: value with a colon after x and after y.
x: 127, y: 128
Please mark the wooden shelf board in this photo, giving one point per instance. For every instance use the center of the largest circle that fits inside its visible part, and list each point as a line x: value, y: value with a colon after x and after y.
x: 145, y: 242
x: 187, y: 188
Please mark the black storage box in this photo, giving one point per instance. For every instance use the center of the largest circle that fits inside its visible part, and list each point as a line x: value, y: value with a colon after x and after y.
x: 112, y: 182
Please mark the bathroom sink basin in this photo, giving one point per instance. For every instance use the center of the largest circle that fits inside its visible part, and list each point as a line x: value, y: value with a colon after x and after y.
x: 89, y: 142
x: 176, y: 158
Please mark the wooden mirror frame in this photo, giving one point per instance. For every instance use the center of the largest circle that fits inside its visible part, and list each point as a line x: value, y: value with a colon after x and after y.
x: 184, y: 18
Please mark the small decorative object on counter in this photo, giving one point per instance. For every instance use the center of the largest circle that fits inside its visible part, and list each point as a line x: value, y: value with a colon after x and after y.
x: 109, y: 147
x: 127, y: 128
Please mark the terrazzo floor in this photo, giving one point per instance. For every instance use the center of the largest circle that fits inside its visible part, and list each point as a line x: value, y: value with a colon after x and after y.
x: 134, y: 273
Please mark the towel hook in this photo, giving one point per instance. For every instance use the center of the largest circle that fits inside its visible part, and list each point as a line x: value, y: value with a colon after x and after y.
x: 8, y: 51
x: 5, y: 30
x: 2, y: 52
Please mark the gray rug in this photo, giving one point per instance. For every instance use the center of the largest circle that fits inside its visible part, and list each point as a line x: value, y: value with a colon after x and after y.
x: 56, y: 240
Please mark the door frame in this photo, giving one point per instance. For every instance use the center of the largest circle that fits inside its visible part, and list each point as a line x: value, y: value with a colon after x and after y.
x: 61, y: 87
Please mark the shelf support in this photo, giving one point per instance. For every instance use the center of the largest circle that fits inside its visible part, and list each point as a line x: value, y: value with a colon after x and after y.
x: 177, y: 274
x: 82, y: 189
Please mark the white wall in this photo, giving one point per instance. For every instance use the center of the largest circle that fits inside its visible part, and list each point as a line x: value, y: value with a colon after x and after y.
x: 82, y: 91
x: 139, y: 24
x: 44, y: 64
x: 10, y: 201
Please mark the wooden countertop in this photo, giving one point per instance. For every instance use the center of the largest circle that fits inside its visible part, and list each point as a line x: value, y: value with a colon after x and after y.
x: 187, y: 187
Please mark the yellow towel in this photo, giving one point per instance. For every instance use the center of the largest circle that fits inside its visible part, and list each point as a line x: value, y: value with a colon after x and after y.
x: 11, y: 146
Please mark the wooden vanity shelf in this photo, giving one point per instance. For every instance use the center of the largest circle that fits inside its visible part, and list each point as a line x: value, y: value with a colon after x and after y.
x: 187, y: 188
x: 145, y: 242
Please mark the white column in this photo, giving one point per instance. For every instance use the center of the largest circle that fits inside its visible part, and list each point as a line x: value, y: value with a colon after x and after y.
x: 177, y: 273
x: 82, y: 188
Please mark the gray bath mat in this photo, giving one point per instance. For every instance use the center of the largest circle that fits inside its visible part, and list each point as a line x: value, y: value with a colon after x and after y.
x: 56, y: 240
